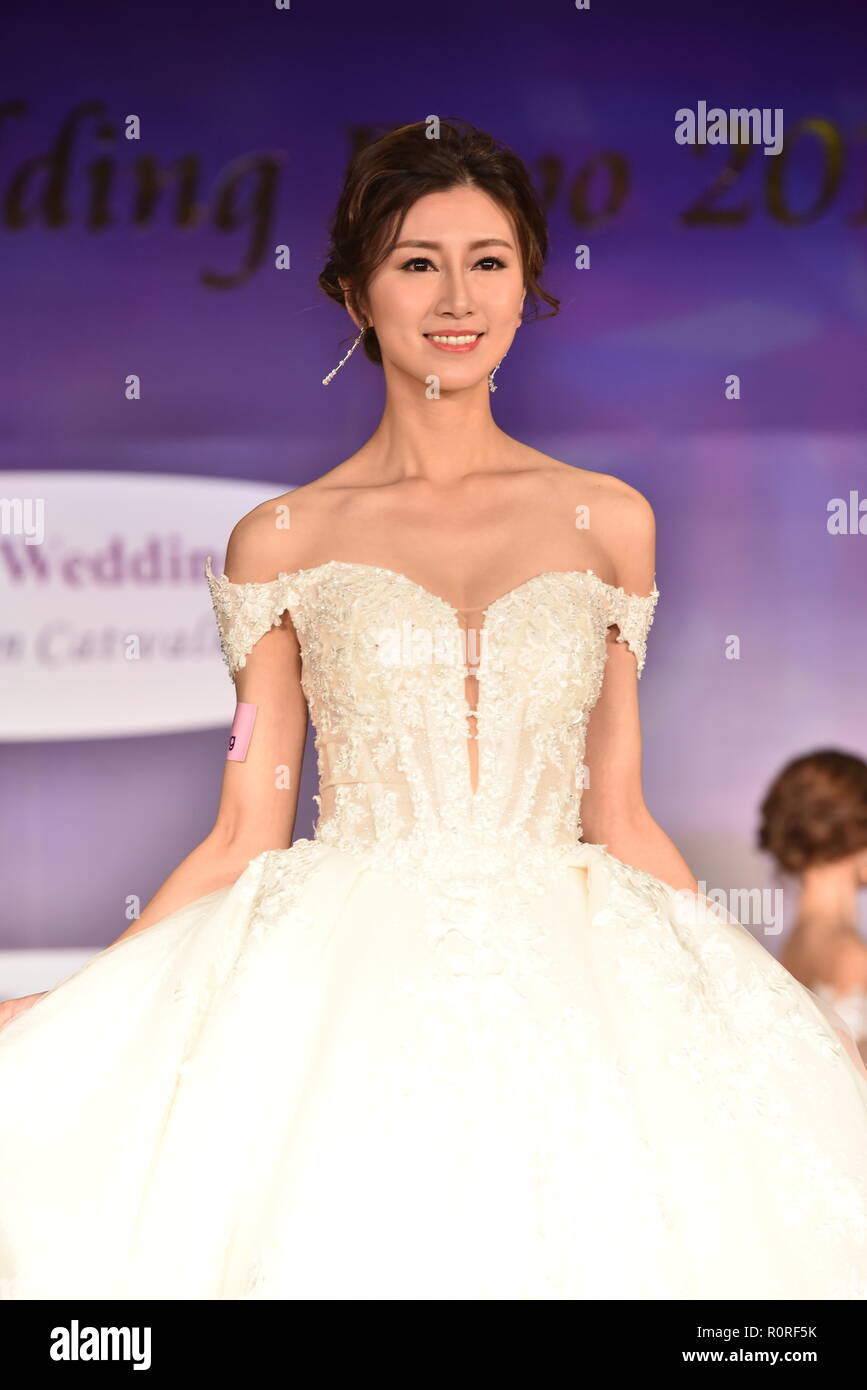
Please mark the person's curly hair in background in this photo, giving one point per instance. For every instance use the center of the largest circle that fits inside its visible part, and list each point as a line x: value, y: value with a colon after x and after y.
x: 814, y: 824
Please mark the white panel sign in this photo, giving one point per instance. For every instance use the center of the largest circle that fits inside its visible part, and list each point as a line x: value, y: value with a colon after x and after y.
x: 106, y: 624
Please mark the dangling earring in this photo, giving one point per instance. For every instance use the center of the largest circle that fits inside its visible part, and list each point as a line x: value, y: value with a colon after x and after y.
x: 492, y: 385
x: 331, y: 374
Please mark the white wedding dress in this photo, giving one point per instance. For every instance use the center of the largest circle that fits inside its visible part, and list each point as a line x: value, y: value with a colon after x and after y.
x: 444, y: 1049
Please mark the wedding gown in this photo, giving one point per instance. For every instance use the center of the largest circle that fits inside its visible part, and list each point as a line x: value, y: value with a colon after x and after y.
x: 444, y: 1049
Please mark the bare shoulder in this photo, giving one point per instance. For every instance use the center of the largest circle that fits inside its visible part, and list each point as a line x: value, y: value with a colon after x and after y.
x: 284, y: 533
x: 620, y: 516
x: 629, y: 529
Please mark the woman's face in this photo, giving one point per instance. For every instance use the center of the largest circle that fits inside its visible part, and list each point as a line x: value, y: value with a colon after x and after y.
x: 454, y: 274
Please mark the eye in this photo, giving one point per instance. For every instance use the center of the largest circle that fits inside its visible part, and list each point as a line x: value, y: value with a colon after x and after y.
x: 493, y: 262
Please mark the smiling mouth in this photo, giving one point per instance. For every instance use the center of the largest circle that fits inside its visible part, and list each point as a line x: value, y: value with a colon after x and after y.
x: 453, y: 342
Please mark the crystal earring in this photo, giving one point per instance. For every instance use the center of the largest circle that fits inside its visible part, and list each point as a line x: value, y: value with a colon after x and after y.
x: 492, y: 385
x: 331, y: 374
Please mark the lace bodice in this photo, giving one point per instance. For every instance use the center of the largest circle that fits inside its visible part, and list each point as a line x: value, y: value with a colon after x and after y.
x: 384, y: 672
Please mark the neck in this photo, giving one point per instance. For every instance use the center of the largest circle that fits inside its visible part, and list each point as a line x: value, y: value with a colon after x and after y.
x: 828, y: 900
x: 439, y: 441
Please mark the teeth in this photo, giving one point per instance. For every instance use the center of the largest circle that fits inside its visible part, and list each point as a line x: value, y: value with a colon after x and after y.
x: 453, y: 339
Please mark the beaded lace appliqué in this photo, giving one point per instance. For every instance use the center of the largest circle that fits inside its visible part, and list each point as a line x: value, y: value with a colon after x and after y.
x: 384, y: 681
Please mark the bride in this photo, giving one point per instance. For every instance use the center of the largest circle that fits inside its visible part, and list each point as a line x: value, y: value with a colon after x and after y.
x: 481, y: 1037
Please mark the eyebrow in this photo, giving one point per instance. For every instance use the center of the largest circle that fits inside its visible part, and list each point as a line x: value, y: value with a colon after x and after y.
x: 437, y: 245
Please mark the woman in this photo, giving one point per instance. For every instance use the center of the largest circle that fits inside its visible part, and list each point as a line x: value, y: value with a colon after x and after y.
x: 814, y: 823
x: 448, y: 1048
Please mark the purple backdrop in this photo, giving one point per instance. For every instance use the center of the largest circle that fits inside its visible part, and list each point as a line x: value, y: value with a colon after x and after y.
x: 702, y: 265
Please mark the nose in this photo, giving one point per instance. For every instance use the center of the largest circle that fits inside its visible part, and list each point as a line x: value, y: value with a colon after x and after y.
x: 455, y: 301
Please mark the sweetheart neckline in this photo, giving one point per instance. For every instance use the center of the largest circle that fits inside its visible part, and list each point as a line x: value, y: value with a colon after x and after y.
x: 399, y: 574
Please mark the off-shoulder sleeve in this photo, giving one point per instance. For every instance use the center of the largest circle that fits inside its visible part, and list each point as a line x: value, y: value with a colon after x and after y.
x: 633, y: 614
x: 245, y: 612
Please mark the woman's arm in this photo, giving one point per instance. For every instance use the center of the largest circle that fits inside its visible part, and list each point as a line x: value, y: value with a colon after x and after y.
x: 259, y: 797
x: 613, y: 812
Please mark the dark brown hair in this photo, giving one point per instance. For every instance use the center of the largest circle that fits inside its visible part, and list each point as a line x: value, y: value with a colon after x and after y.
x: 385, y: 178
x: 815, y: 811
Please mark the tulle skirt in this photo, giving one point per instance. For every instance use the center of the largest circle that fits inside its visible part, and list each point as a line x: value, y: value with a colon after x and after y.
x: 326, y: 1083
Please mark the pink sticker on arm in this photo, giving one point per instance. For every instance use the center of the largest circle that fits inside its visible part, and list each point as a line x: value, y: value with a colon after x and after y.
x: 242, y: 729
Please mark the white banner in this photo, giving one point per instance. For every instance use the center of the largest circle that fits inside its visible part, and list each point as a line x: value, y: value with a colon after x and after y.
x: 106, y: 623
